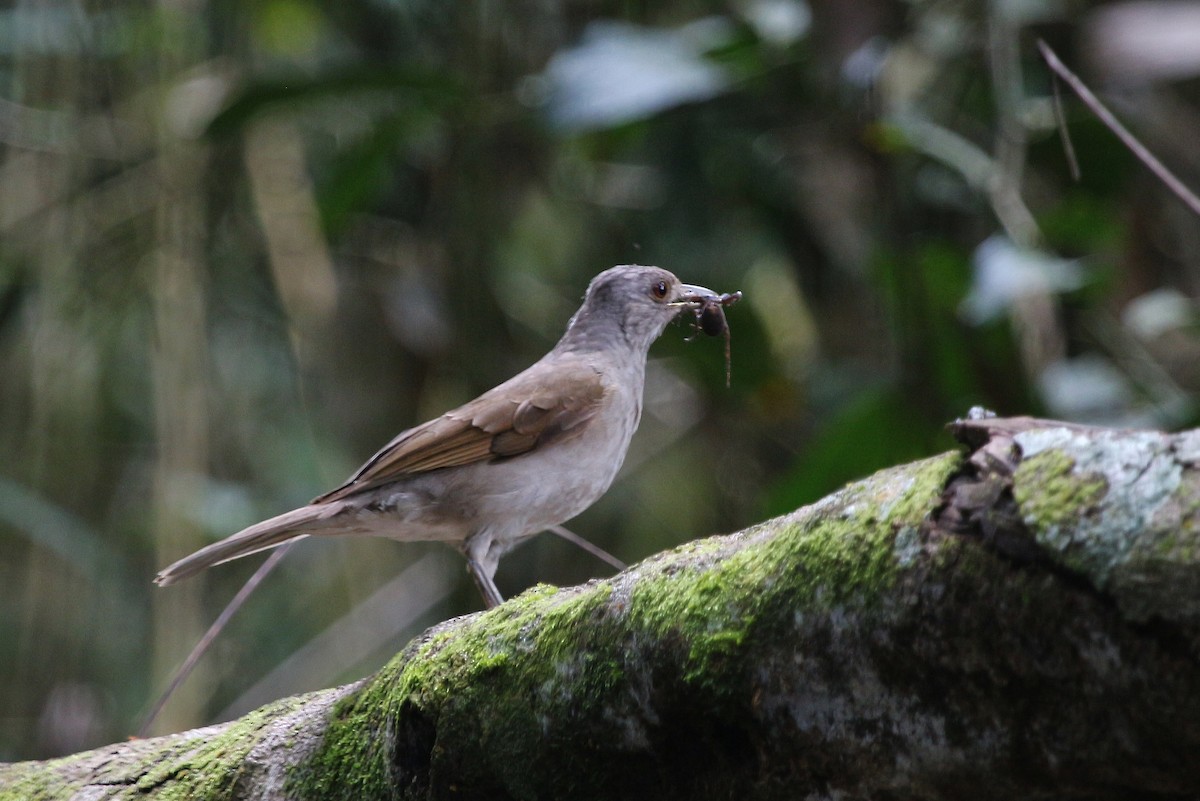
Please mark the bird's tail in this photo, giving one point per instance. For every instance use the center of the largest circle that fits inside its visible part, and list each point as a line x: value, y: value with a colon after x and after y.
x: 259, y: 537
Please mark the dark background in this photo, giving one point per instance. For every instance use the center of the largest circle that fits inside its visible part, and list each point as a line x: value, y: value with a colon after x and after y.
x: 244, y: 244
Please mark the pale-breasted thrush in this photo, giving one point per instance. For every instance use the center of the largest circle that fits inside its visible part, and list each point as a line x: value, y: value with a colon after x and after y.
x: 523, y: 457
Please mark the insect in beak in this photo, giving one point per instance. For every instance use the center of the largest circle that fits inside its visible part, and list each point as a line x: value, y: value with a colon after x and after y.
x: 708, y: 309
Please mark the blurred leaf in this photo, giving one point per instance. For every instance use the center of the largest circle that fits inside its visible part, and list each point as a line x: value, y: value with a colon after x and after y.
x: 1004, y: 272
x: 1088, y: 387
x: 289, y: 27
x: 1157, y: 312
x: 778, y: 22
x: 622, y: 72
x: 51, y: 527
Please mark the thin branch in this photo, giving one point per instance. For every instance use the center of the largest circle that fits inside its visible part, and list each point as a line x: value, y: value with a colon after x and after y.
x: 594, y: 550
x: 202, y: 646
x: 1011, y: 145
x: 252, y: 584
x: 352, y: 639
x: 1064, y: 133
x: 1128, y: 139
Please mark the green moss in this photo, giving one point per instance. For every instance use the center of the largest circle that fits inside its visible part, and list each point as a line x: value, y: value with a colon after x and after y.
x: 822, y: 556
x: 33, y: 781
x: 511, y: 680
x: 480, y: 666
x: 192, y: 767
x: 1050, y: 493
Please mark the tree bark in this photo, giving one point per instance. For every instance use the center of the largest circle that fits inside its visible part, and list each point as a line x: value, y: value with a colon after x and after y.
x: 1016, y: 621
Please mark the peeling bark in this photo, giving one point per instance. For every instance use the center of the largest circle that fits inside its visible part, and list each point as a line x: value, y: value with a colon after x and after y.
x: 1016, y: 621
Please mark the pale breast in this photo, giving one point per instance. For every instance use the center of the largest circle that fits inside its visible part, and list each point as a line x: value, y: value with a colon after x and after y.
x: 552, y: 484
x: 519, y: 496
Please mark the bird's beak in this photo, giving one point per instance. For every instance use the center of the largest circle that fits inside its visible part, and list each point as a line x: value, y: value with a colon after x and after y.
x: 691, y: 295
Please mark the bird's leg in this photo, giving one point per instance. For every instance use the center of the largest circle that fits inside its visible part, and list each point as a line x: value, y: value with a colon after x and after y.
x: 482, y: 560
x: 487, y: 587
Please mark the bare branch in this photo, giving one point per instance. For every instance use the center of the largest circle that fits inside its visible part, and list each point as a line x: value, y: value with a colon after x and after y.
x: 1064, y: 132
x: 1128, y: 139
x: 215, y: 629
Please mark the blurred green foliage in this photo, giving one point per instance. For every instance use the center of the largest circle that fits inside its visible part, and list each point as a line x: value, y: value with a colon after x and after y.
x: 243, y: 245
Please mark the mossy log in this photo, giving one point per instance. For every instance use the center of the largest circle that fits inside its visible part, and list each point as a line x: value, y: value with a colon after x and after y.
x: 1016, y: 621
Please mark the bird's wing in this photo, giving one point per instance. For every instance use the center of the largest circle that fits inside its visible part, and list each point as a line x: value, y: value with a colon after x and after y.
x: 507, y: 421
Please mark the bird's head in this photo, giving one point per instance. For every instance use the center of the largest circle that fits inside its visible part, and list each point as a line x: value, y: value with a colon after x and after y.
x: 631, y: 303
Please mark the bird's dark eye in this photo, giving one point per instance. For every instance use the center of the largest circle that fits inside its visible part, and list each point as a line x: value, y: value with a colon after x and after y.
x: 659, y: 290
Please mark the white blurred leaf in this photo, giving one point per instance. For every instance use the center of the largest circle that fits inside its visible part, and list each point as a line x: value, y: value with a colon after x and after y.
x: 1005, y: 272
x: 1155, y: 313
x: 622, y: 72
x: 863, y: 67
x: 1085, y: 388
x: 778, y: 22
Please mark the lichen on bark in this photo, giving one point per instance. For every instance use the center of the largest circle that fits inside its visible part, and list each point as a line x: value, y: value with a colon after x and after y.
x: 1119, y: 507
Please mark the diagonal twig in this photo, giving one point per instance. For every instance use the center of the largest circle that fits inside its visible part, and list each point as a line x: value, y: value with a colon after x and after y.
x: 1064, y: 132
x: 202, y: 646
x: 1128, y: 139
x: 593, y: 549
x: 252, y: 584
